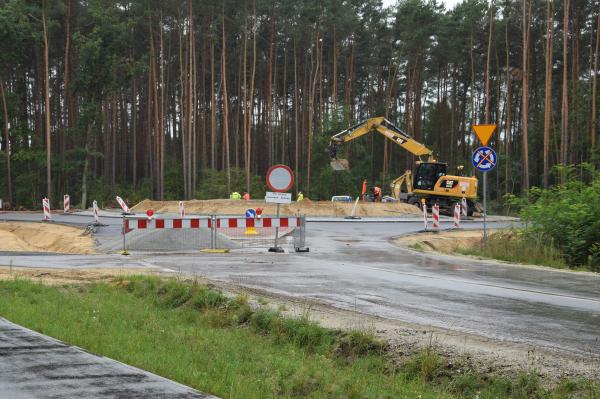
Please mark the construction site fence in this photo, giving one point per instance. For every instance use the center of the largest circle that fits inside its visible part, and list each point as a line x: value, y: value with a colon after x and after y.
x: 214, y: 232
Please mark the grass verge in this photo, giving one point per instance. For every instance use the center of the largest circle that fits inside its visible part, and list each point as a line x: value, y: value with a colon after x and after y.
x: 220, y: 345
x: 517, y: 246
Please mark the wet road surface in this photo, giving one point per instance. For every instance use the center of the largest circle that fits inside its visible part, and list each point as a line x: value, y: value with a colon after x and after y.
x: 353, y: 266
x: 35, y: 366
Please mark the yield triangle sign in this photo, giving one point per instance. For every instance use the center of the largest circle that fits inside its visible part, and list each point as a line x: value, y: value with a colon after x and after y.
x: 484, y: 132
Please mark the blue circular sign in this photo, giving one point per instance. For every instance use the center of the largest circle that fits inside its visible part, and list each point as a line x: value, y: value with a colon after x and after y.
x: 250, y: 213
x: 484, y: 159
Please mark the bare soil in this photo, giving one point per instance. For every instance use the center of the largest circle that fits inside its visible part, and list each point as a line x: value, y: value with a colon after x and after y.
x: 44, y: 237
x: 305, y: 207
x: 67, y: 276
x: 443, y: 241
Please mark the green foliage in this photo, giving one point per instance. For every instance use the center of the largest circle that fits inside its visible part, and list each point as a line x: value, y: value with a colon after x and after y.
x: 213, y: 184
x: 568, y: 214
x: 518, y: 246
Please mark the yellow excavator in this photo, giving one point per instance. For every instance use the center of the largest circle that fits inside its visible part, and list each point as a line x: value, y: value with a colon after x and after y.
x: 430, y: 184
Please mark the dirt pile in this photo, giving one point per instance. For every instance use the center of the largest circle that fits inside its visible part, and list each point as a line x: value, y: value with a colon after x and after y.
x: 306, y: 207
x: 44, y: 237
x: 445, y: 241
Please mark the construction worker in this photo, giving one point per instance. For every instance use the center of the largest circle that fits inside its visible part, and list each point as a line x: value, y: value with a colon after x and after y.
x: 376, y: 194
x: 246, y: 196
x: 300, y: 196
x: 235, y: 196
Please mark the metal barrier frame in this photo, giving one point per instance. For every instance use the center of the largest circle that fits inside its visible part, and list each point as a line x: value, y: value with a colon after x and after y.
x: 214, y: 222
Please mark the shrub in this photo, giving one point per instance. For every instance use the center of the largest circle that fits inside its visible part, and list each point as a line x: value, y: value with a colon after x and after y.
x: 568, y: 214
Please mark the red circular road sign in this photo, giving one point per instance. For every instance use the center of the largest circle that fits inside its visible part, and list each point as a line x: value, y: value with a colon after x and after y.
x: 280, y: 178
x: 149, y: 213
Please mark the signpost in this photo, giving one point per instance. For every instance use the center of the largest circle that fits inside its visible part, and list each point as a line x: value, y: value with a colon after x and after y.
x: 484, y: 159
x: 280, y: 179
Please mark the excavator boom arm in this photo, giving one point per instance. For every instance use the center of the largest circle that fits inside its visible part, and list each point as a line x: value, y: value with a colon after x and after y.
x: 387, y: 129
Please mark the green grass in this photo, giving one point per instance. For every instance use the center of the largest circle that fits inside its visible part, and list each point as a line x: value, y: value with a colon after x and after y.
x: 199, y: 337
x: 517, y: 246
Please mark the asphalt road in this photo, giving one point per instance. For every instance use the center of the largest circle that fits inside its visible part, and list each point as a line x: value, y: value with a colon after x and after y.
x: 354, y: 266
x: 36, y: 366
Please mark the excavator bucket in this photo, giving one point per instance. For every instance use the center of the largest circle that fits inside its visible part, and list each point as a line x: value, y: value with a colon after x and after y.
x: 339, y: 164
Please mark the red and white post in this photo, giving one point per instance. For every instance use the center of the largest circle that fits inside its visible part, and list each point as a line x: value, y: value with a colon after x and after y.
x: 181, y: 210
x: 123, y: 205
x: 457, y: 216
x: 436, y: 216
x: 425, y: 215
x: 46, y: 206
x: 463, y: 206
x: 66, y: 203
x: 95, y: 211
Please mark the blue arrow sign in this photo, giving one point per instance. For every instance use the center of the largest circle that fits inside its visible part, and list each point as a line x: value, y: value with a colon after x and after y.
x: 250, y: 213
x: 484, y: 159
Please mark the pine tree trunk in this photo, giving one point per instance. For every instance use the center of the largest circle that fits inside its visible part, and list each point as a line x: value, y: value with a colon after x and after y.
x: 47, y: 109
x: 508, y: 127
x: 6, y: 144
x: 225, y: 105
x: 251, y: 100
x: 594, y: 84
x: 487, y: 65
x: 525, y: 100
x: 565, y: 96
x: 548, y: 92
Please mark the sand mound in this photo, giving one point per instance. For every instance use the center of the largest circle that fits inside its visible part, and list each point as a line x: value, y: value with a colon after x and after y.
x: 44, y: 237
x: 306, y: 207
x: 445, y: 241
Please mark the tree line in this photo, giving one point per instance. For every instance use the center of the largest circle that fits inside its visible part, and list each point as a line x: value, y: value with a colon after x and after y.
x: 164, y: 98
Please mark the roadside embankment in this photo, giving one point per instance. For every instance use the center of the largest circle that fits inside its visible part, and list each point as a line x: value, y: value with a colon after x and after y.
x: 305, y: 207
x: 443, y: 241
x: 228, y: 346
x: 44, y: 237
x: 508, y: 245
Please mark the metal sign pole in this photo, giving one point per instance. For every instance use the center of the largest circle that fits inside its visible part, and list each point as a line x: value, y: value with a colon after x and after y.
x: 484, y: 206
x: 277, y: 228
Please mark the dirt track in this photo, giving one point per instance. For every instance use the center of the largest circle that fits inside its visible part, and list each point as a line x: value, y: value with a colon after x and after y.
x: 306, y: 207
x: 44, y: 237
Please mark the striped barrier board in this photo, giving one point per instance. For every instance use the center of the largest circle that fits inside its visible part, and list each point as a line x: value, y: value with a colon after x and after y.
x: 196, y: 223
x: 46, y: 206
x: 457, y: 212
x: 435, y: 216
x: 66, y: 203
x: 262, y: 222
x: 192, y: 223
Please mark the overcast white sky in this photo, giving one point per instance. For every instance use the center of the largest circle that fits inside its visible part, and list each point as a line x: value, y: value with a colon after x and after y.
x: 447, y: 3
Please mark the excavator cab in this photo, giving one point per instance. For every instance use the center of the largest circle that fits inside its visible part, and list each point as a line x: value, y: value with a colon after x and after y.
x: 427, y: 174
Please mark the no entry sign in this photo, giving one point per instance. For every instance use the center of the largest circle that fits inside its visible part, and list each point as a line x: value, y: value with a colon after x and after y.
x: 280, y: 178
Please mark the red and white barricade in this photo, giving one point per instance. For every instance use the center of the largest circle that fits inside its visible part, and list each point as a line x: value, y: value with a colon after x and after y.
x: 147, y: 223
x: 220, y: 223
x: 66, y: 203
x: 224, y: 222
x: 181, y: 210
x: 425, y: 215
x: 46, y: 206
x: 95, y: 211
x: 463, y: 206
x: 435, y: 213
x: 457, y: 211
x: 123, y: 205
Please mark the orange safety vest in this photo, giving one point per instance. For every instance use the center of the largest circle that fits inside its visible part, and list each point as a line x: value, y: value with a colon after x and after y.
x: 246, y: 197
